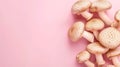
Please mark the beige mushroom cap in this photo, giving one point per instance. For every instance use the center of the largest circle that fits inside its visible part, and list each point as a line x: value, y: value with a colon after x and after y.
x: 80, y: 6
x: 76, y: 30
x: 117, y: 16
x: 113, y: 52
x: 94, y: 24
x: 100, y: 5
x: 96, y: 48
x: 83, y: 56
x: 109, y: 37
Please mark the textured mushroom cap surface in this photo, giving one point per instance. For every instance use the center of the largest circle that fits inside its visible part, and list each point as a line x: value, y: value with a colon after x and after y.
x: 117, y: 16
x: 94, y: 24
x: 76, y: 30
x: 109, y: 37
x: 83, y: 56
x: 114, y: 52
x: 80, y: 6
x: 96, y: 48
x: 100, y: 5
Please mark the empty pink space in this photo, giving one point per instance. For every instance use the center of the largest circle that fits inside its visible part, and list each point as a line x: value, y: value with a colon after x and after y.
x: 33, y: 33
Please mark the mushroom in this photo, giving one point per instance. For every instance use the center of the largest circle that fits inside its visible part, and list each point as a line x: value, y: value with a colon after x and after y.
x: 117, y: 16
x: 94, y: 25
x: 96, y: 49
x: 117, y: 20
x: 81, y: 7
x: 83, y: 57
x: 113, y: 55
x: 77, y: 31
x: 109, y: 37
x: 101, y: 6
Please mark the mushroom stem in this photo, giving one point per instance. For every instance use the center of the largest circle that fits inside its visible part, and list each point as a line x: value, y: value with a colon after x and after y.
x: 115, y: 24
x: 95, y: 34
x: 115, y: 61
x: 89, y: 63
x: 87, y: 15
x: 99, y: 59
x: 105, y: 18
x: 89, y: 36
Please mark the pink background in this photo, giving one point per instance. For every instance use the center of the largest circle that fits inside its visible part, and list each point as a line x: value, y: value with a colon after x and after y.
x: 33, y: 33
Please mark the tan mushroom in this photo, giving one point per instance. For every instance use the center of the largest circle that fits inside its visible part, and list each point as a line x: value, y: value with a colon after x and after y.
x: 101, y: 6
x: 113, y: 55
x: 117, y: 20
x: 81, y: 7
x: 117, y: 16
x: 83, y: 57
x: 77, y: 31
x: 94, y: 25
x: 96, y: 49
x: 109, y: 37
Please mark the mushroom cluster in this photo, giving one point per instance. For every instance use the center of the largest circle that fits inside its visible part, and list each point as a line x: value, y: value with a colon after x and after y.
x: 102, y: 33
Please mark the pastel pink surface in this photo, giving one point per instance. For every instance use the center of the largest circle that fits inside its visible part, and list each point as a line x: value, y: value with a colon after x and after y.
x: 33, y: 33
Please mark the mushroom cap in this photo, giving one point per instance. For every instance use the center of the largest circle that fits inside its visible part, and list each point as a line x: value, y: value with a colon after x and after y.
x: 117, y: 16
x: 83, y: 56
x: 76, y: 30
x: 100, y: 5
x: 94, y: 24
x: 96, y: 48
x: 80, y: 6
x: 113, y: 52
x: 109, y: 37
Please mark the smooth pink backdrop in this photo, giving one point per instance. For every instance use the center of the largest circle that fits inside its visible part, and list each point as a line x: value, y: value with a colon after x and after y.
x: 33, y: 33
